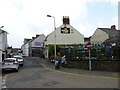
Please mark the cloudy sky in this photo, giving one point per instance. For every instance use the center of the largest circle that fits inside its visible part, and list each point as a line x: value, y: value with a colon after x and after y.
x: 26, y: 18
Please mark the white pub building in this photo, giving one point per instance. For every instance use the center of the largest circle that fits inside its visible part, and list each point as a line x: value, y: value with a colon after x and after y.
x: 66, y: 35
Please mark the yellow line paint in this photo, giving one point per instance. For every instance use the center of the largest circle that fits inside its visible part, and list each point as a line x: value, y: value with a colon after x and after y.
x: 116, y: 74
x: 6, y: 75
x: 75, y: 74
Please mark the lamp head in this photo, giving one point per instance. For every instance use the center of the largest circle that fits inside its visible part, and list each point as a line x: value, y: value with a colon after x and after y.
x: 49, y: 16
x: 1, y: 26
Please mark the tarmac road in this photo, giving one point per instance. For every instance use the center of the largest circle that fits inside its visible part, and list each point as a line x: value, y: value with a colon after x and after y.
x: 39, y: 73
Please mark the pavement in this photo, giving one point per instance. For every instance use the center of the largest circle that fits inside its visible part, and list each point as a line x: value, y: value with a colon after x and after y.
x: 80, y: 72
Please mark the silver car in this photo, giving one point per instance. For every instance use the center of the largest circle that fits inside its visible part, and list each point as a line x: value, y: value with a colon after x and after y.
x: 20, y: 59
x: 10, y: 64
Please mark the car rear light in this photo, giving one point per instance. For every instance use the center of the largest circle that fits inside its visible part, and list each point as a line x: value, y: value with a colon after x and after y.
x: 15, y: 63
x: 3, y: 63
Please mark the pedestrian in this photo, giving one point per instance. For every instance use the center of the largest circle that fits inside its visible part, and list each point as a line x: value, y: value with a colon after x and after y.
x: 58, y: 62
x: 63, y: 59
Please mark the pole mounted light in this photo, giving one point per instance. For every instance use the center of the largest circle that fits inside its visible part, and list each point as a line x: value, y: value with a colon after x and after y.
x: 49, y: 16
x: 54, y: 35
x: 1, y: 26
x: 1, y: 29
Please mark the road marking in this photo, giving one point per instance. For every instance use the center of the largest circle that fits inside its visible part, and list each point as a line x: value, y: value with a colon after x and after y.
x: 116, y: 74
x: 4, y: 82
x: 79, y: 74
x: 4, y: 86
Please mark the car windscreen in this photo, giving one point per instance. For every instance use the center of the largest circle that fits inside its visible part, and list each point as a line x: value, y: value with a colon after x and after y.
x: 18, y: 57
x: 9, y: 61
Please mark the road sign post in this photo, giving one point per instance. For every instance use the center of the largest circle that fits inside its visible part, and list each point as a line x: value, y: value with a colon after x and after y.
x: 89, y: 47
x: 90, y: 68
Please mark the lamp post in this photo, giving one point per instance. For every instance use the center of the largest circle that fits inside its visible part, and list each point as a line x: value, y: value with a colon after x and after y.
x: 1, y: 29
x: 54, y: 35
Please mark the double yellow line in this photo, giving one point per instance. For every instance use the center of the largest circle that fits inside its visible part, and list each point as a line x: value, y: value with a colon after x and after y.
x: 6, y: 75
x: 75, y: 74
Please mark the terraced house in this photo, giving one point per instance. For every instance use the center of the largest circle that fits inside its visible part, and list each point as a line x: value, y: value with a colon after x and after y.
x: 110, y: 38
x: 105, y: 35
x: 34, y: 47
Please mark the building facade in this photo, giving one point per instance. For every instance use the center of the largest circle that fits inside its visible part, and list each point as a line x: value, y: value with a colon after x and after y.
x: 65, y: 35
x: 3, y: 44
x: 34, y: 46
x: 25, y: 47
x: 105, y: 35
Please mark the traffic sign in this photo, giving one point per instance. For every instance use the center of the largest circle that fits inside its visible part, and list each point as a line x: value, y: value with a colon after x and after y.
x: 89, y: 46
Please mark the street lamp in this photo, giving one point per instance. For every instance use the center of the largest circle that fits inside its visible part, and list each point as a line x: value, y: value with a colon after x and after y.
x: 54, y: 35
x: 1, y: 27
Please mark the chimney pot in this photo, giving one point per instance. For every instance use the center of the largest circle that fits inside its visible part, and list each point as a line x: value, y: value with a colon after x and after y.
x: 37, y: 35
x: 66, y: 20
x: 113, y: 27
x: 33, y: 37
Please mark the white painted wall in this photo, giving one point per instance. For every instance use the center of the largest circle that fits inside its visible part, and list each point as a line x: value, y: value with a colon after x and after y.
x: 74, y: 37
x: 0, y: 47
x: 3, y: 42
x: 38, y: 42
x: 0, y: 56
x: 25, y: 49
x: 99, y: 37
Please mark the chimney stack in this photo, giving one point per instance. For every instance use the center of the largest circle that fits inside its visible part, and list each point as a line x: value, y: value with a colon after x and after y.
x: 33, y: 38
x: 113, y: 27
x: 37, y: 35
x: 66, y: 20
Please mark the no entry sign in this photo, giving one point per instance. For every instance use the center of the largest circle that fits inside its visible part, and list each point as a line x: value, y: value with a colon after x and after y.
x: 89, y: 46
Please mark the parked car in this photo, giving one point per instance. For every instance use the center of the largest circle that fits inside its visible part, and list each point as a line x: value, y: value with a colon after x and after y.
x: 20, y: 59
x: 10, y: 64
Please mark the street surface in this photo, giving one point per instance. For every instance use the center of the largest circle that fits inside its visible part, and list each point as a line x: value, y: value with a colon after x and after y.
x: 39, y: 73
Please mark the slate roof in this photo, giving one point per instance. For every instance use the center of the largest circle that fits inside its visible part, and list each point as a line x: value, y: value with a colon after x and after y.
x: 2, y: 31
x: 110, y: 31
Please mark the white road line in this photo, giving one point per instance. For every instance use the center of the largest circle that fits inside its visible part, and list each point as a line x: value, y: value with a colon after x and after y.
x: 4, y: 86
x: 4, y: 77
x: 4, y: 82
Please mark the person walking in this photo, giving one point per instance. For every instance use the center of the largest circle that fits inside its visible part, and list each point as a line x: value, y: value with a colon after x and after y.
x: 58, y: 62
x: 63, y: 60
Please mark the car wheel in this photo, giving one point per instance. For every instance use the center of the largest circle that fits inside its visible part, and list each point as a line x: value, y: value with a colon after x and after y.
x: 3, y: 70
x: 16, y: 70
